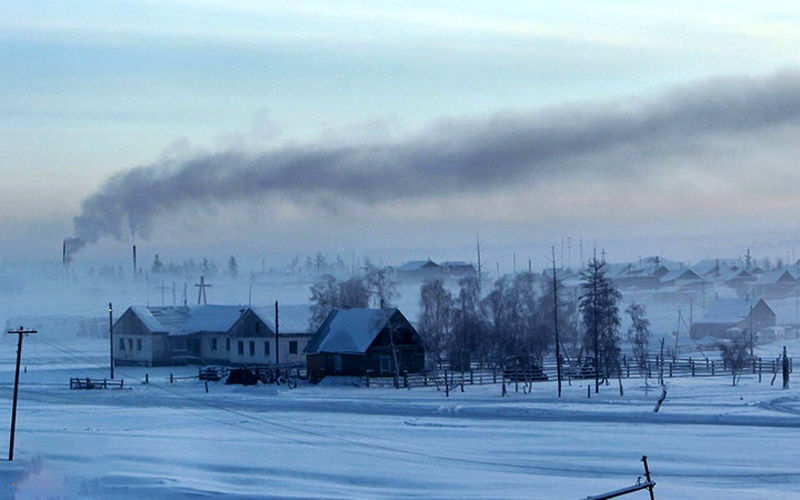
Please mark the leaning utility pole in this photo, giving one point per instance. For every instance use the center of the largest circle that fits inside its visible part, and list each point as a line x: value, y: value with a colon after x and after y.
x: 111, y: 338
x: 20, y: 332
x: 555, y: 320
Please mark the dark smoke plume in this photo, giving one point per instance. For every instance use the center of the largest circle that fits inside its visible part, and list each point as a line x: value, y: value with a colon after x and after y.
x: 453, y: 156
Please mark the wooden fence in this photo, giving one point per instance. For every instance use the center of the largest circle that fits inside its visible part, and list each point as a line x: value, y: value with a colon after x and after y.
x: 655, y: 368
x: 88, y: 383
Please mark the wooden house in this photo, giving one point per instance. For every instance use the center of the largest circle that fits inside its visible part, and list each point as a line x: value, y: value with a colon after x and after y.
x: 358, y: 341
x: 727, y: 317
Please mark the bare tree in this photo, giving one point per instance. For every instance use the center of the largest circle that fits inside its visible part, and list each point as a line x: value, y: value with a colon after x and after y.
x: 436, y: 317
x: 639, y: 332
x: 734, y: 354
x: 380, y: 283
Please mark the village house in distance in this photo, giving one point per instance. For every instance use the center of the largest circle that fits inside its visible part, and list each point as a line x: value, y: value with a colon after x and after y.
x: 222, y: 334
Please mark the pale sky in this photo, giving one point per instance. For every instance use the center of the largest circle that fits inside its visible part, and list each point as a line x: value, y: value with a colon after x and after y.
x: 93, y: 89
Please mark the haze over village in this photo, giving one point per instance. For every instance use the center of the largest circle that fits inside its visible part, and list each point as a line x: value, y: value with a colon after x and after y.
x: 416, y: 250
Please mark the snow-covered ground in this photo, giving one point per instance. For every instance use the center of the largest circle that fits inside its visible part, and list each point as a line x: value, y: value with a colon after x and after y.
x: 710, y: 440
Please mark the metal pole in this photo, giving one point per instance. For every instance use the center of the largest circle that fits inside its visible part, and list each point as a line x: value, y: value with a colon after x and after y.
x: 111, y: 338
x: 647, y: 475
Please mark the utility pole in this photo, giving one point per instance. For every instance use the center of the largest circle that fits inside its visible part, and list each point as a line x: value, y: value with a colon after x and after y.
x: 594, y: 325
x: 555, y: 320
x: 201, y: 290
x: 480, y: 270
x: 277, y: 350
x: 20, y: 332
x: 111, y: 338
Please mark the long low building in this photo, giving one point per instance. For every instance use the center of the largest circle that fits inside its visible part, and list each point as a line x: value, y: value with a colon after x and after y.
x: 220, y: 334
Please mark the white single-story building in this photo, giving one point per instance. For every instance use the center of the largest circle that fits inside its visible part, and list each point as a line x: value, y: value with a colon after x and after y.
x: 215, y: 334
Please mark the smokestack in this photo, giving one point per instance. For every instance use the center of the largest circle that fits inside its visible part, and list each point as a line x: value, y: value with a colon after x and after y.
x: 64, y: 252
x: 134, y: 262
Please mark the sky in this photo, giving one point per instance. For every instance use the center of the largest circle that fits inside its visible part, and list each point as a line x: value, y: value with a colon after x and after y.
x: 398, y: 127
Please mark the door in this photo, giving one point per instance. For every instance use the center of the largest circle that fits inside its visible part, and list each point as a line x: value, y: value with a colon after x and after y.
x: 386, y: 364
x: 337, y: 363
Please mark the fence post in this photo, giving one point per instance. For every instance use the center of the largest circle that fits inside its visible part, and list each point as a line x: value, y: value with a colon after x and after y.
x: 105, y: 384
x: 425, y: 379
x: 471, y: 380
x: 171, y: 378
x: 146, y: 378
x: 446, y: 385
x: 785, y: 369
x: 670, y: 369
x: 589, y: 391
x: 759, y: 369
x: 206, y: 386
x: 367, y: 373
x: 462, y: 380
x: 713, y: 372
x: 692, y: 364
x: 516, y: 379
x: 121, y: 382
x: 405, y: 378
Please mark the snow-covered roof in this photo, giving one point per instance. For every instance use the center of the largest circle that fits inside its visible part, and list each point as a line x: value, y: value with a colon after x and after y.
x: 183, y: 320
x: 456, y: 263
x: 773, y: 277
x: 292, y: 318
x: 349, y: 330
x: 732, y: 274
x: 680, y: 274
x: 726, y: 311
x: 415, y: 265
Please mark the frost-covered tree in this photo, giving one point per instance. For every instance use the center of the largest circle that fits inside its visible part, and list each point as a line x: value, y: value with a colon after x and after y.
x: 158, y: 266
x: 381, y: 285
x: 600, y: 314
x: 233, y: 267
x: 469, y: 324
x: 352, y: 293
x: 734, y: 354
x: 639, y: 332
x: 436, y: 316
x: 328, y: 294
x: 324, y: 297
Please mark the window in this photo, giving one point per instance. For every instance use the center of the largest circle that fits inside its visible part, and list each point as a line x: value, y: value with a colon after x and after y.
x: 138, y: 344
x: 228, y: 345
x: 252, y: 348
x: 266, y: 348
x: 121, y: 344
x: 240, y: 347
x: 213, y: 343
x: 130, y: 344
x: 292, y: 347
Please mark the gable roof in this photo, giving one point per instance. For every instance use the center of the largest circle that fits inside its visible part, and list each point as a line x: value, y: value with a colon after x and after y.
x: 184, y: 320
x: 728, y: 311
x: 774, y: 277
x: 415, y: 265
x: 349, y: 331
x: 292, y: 318
x: 677, y: 274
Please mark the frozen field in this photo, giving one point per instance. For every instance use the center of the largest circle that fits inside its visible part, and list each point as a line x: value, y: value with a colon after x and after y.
x: 710, y: 440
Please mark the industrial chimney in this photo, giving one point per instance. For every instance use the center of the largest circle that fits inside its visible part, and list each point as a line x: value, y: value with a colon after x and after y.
x: 134, y: 262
